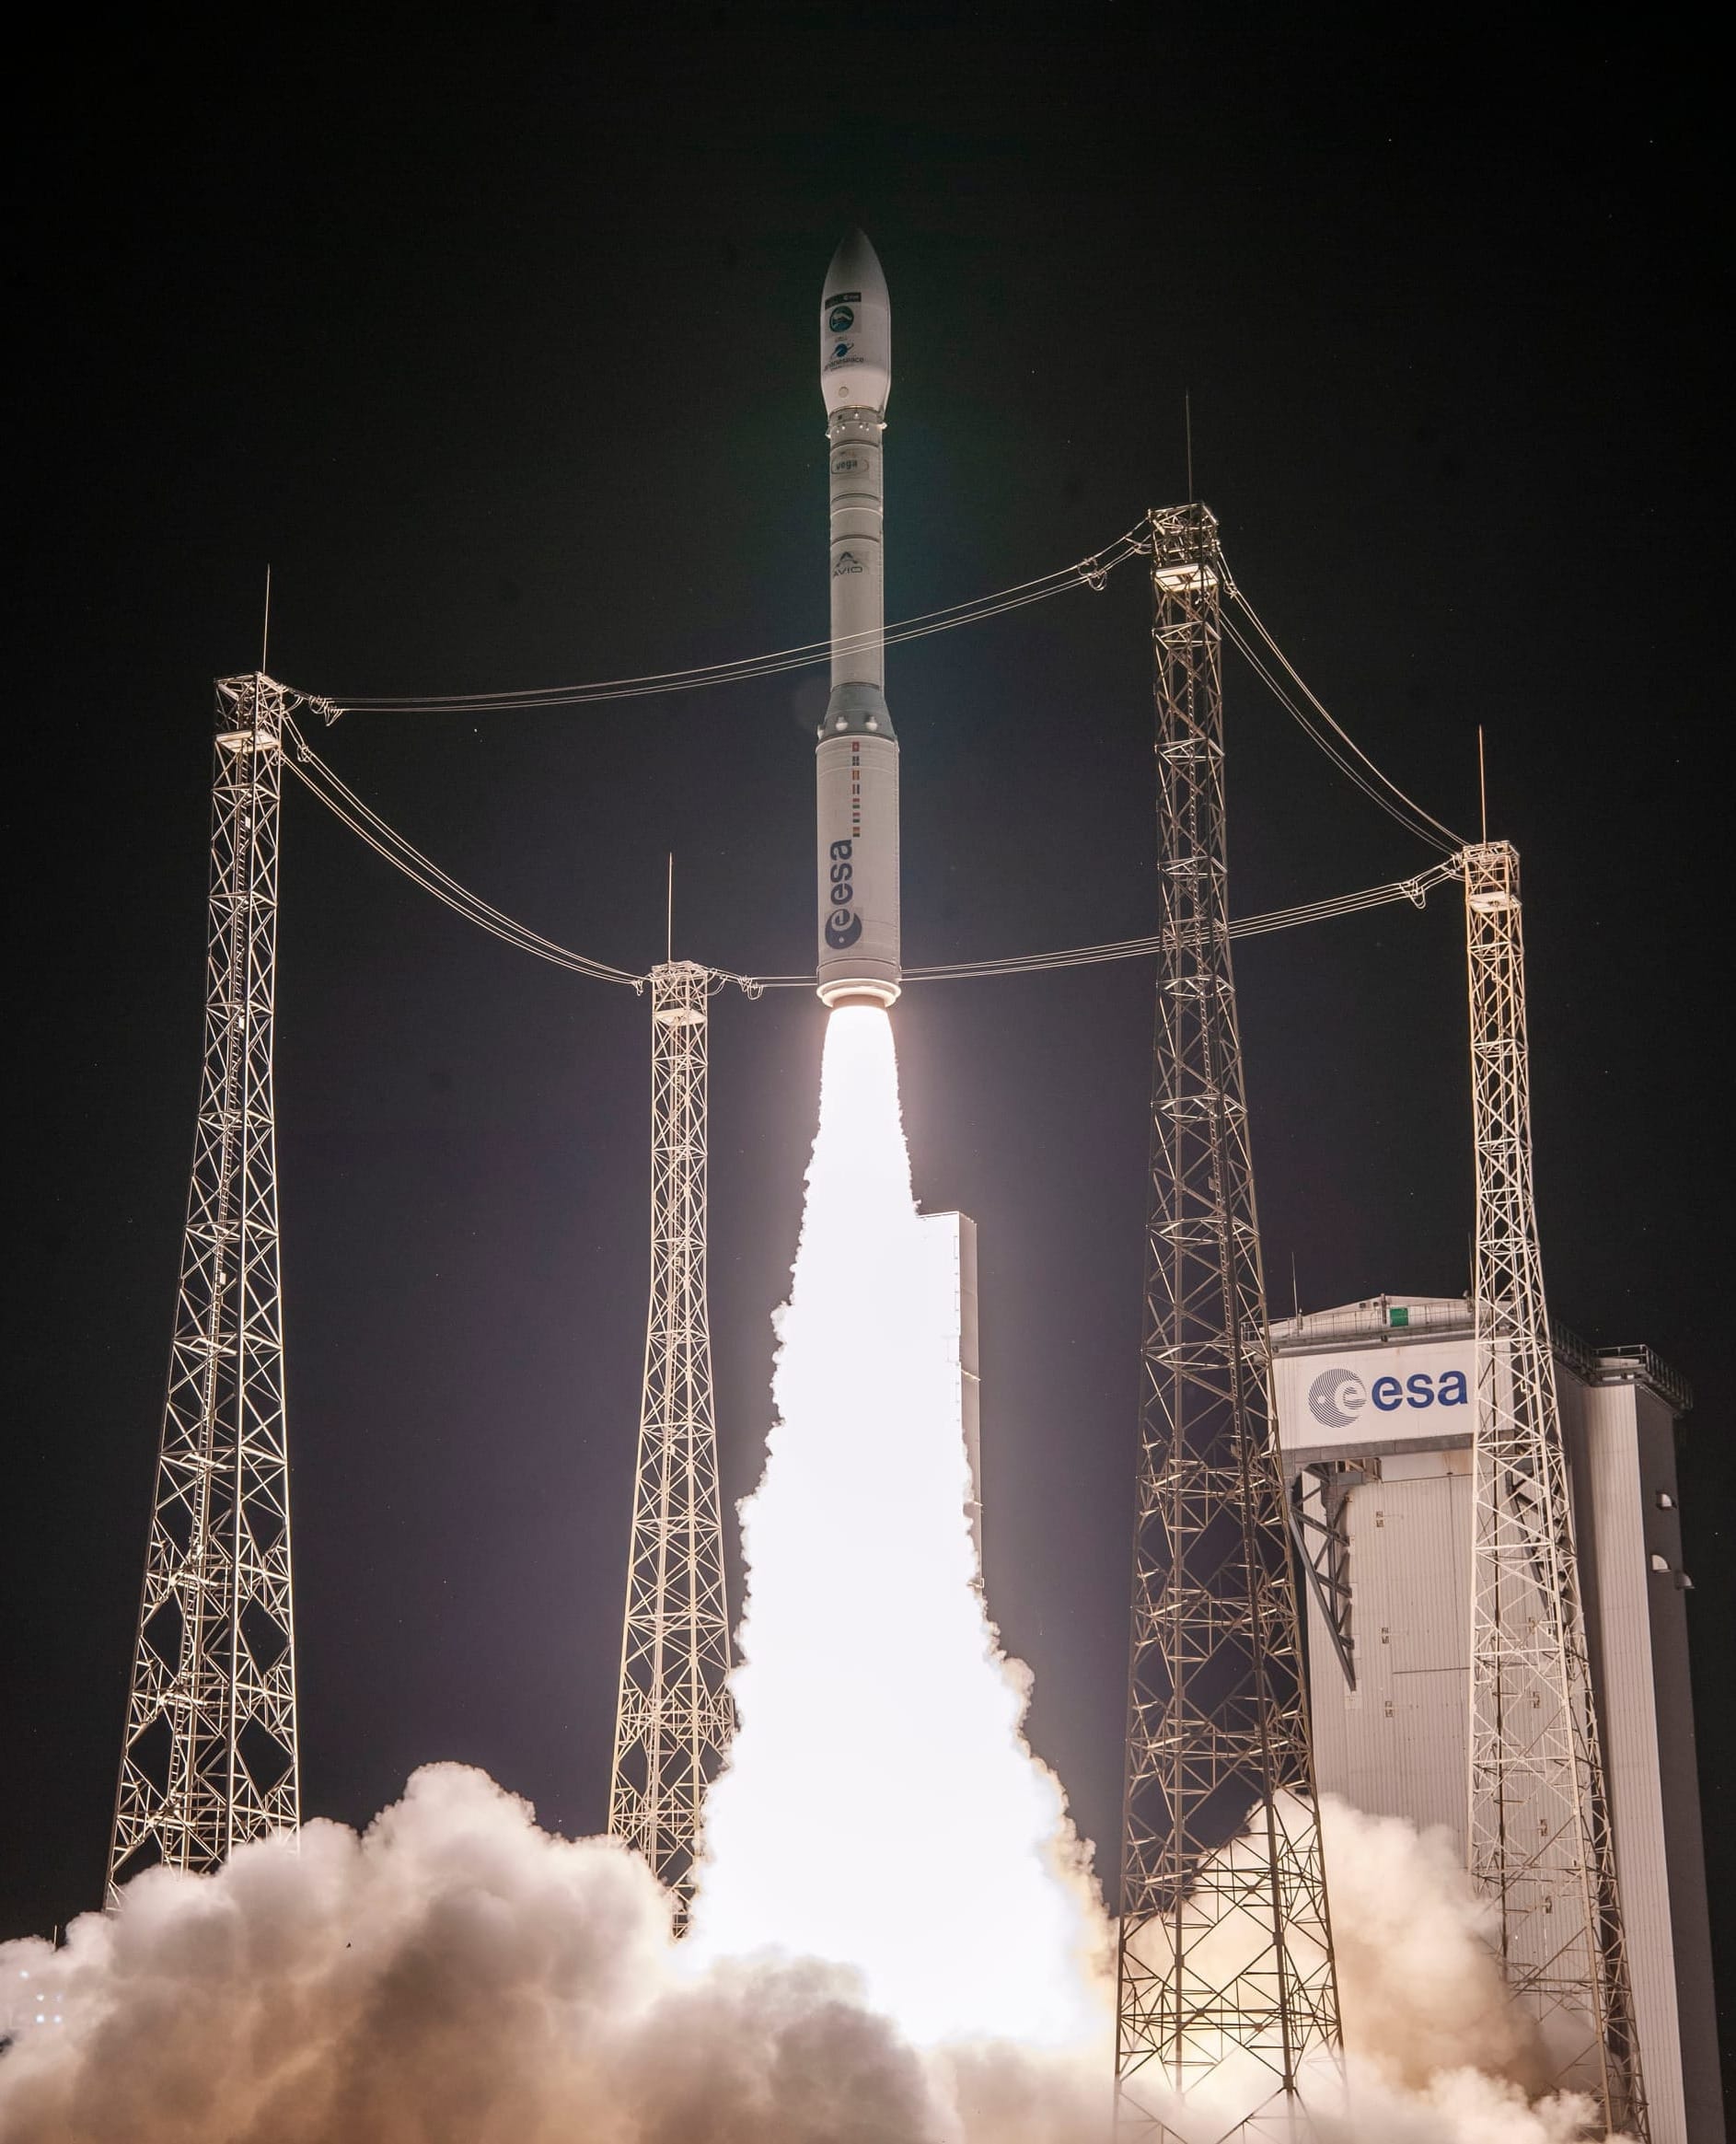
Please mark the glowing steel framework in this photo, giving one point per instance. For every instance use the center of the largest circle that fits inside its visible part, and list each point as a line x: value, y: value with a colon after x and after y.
x: 1539, y: 1844
x: 675, y: 1715
x: 1225, y: 1949
x: 209, y: 1756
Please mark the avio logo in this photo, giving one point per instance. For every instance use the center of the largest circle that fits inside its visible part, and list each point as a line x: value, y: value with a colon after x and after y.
x: 1337, y: 1397
x: 841, y: 318
x: 843, y: 926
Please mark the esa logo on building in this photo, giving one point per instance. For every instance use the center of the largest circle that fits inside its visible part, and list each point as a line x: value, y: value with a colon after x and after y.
x: 1336, y: 1396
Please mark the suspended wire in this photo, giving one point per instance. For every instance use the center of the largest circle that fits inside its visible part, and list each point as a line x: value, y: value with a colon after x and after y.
x: 1352, y: 761
x: 368, y: 827
x: 1093, y: 572
x: 1382, y: 790
x: 342, y: 802
x: 1414, y: 890
x: 1420, y: 827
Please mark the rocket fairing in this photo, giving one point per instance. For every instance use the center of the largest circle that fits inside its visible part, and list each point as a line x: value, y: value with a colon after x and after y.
x: 857, y: 757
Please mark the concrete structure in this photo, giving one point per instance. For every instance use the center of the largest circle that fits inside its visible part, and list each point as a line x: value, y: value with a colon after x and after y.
x: 1375, y: 1404
x: 953, y: 1237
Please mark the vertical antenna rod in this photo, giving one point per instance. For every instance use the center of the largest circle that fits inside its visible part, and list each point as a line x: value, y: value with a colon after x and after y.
x: 674, y: 1715
x: 1225, y: 1951
x: 1539, y: 1826
x: 209, y: 1756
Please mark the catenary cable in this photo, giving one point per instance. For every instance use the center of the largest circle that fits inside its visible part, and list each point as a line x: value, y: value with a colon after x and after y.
x: 1092, y: 572
x: 1414, y: 890
x: 368, y: 827
x: 1383, y: 791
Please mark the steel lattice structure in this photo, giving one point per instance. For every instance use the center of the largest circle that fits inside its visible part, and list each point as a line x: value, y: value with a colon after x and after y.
x: 1539, y: 1836
x: 675, y: 1715
x: 209, y: 1758
x: 1225, y: 1946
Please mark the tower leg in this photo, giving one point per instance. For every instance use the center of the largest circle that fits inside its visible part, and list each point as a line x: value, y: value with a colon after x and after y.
x: 675, y: 1714
x: 1539, y: 1834
x: 1226, y: 1976
x: 209, y: 1756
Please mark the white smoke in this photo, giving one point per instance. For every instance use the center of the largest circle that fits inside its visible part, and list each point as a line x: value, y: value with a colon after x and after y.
x: 881, y: 1806
x: 1434, y: 2052
x: 896, y: 1940
x: 457, y: 1976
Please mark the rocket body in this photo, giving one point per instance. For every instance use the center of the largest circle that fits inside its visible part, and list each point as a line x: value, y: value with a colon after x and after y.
x: 857, y: 756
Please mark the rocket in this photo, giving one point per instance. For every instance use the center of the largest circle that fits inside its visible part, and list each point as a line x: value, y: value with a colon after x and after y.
x: 856, y: 761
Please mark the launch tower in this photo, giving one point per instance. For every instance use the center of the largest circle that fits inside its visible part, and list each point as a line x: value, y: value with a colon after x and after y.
x: 1539, y: 1828
x: 674, y: 1715
x: 1226, y: 1954
x: 209, y: 1756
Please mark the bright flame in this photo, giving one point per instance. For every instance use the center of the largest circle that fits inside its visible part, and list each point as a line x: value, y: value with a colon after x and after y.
x: 881, y: 1807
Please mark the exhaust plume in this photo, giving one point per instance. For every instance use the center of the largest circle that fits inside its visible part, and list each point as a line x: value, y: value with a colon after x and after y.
x: 881, y: 1805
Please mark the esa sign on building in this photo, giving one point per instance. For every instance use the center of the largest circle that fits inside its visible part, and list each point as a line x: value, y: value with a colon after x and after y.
x: 1408, y: 1392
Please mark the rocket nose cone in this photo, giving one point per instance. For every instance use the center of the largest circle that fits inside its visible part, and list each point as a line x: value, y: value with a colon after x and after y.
x: 856, y: 266
x: 855, y: 330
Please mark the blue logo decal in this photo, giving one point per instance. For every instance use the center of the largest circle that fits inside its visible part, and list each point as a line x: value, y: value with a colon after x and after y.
x: 841, y: 317
x: 1336, y: 1396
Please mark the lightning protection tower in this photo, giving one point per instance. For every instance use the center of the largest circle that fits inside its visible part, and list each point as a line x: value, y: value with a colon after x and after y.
x: 209, y: 1756
x: 1225, y: 1965
x: 675, y: 1715
x: 1539, y: 1833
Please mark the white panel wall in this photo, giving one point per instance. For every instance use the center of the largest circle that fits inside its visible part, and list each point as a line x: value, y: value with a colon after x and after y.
x: 953, y: 1238
x: 1397, y: 1744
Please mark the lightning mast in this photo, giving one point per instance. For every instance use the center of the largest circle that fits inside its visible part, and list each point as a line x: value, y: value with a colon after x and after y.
x: 675, y: 1715
x: 1539, y: 1833
x: 1225, y: 1952
x: 209, y: 1756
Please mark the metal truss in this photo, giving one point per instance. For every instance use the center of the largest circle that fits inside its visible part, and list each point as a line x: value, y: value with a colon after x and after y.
x: 1225, y: 1958
x: 209, y: 1756
x: 674, y: 1715
x: 1320, y: 1499
x: 1539, y: 1844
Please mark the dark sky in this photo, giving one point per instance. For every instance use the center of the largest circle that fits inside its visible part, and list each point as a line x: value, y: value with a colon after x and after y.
x: 500, y: 345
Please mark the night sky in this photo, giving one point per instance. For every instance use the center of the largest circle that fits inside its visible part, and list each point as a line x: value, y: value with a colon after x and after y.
x: 499, y: 345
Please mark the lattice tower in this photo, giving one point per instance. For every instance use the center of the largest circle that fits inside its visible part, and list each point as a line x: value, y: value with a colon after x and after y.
x: 675, y: 1714
x: 1226, y: 1970
x: 1539, y: 1831
x: 209, y: 1756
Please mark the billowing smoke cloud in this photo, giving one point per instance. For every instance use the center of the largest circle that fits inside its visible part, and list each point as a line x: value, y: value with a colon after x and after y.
x: 455, y: 1975
x: 896, y: 1940
x: 1418, y: 1984
x: 1434, y: 2051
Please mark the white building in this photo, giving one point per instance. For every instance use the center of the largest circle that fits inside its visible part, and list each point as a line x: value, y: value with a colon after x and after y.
x: 1374, y: 1409
x: 954, y: 1240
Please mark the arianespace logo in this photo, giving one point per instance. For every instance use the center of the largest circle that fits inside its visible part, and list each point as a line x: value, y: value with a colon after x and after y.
x: 843, y: 926
x: 1337, y: 1397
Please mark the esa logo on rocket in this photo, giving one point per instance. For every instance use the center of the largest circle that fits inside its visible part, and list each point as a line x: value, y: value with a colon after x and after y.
x: 842, y: 927
x: 1336, y: 1396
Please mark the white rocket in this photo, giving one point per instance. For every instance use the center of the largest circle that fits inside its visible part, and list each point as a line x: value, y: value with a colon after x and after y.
x: 857, y: 759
